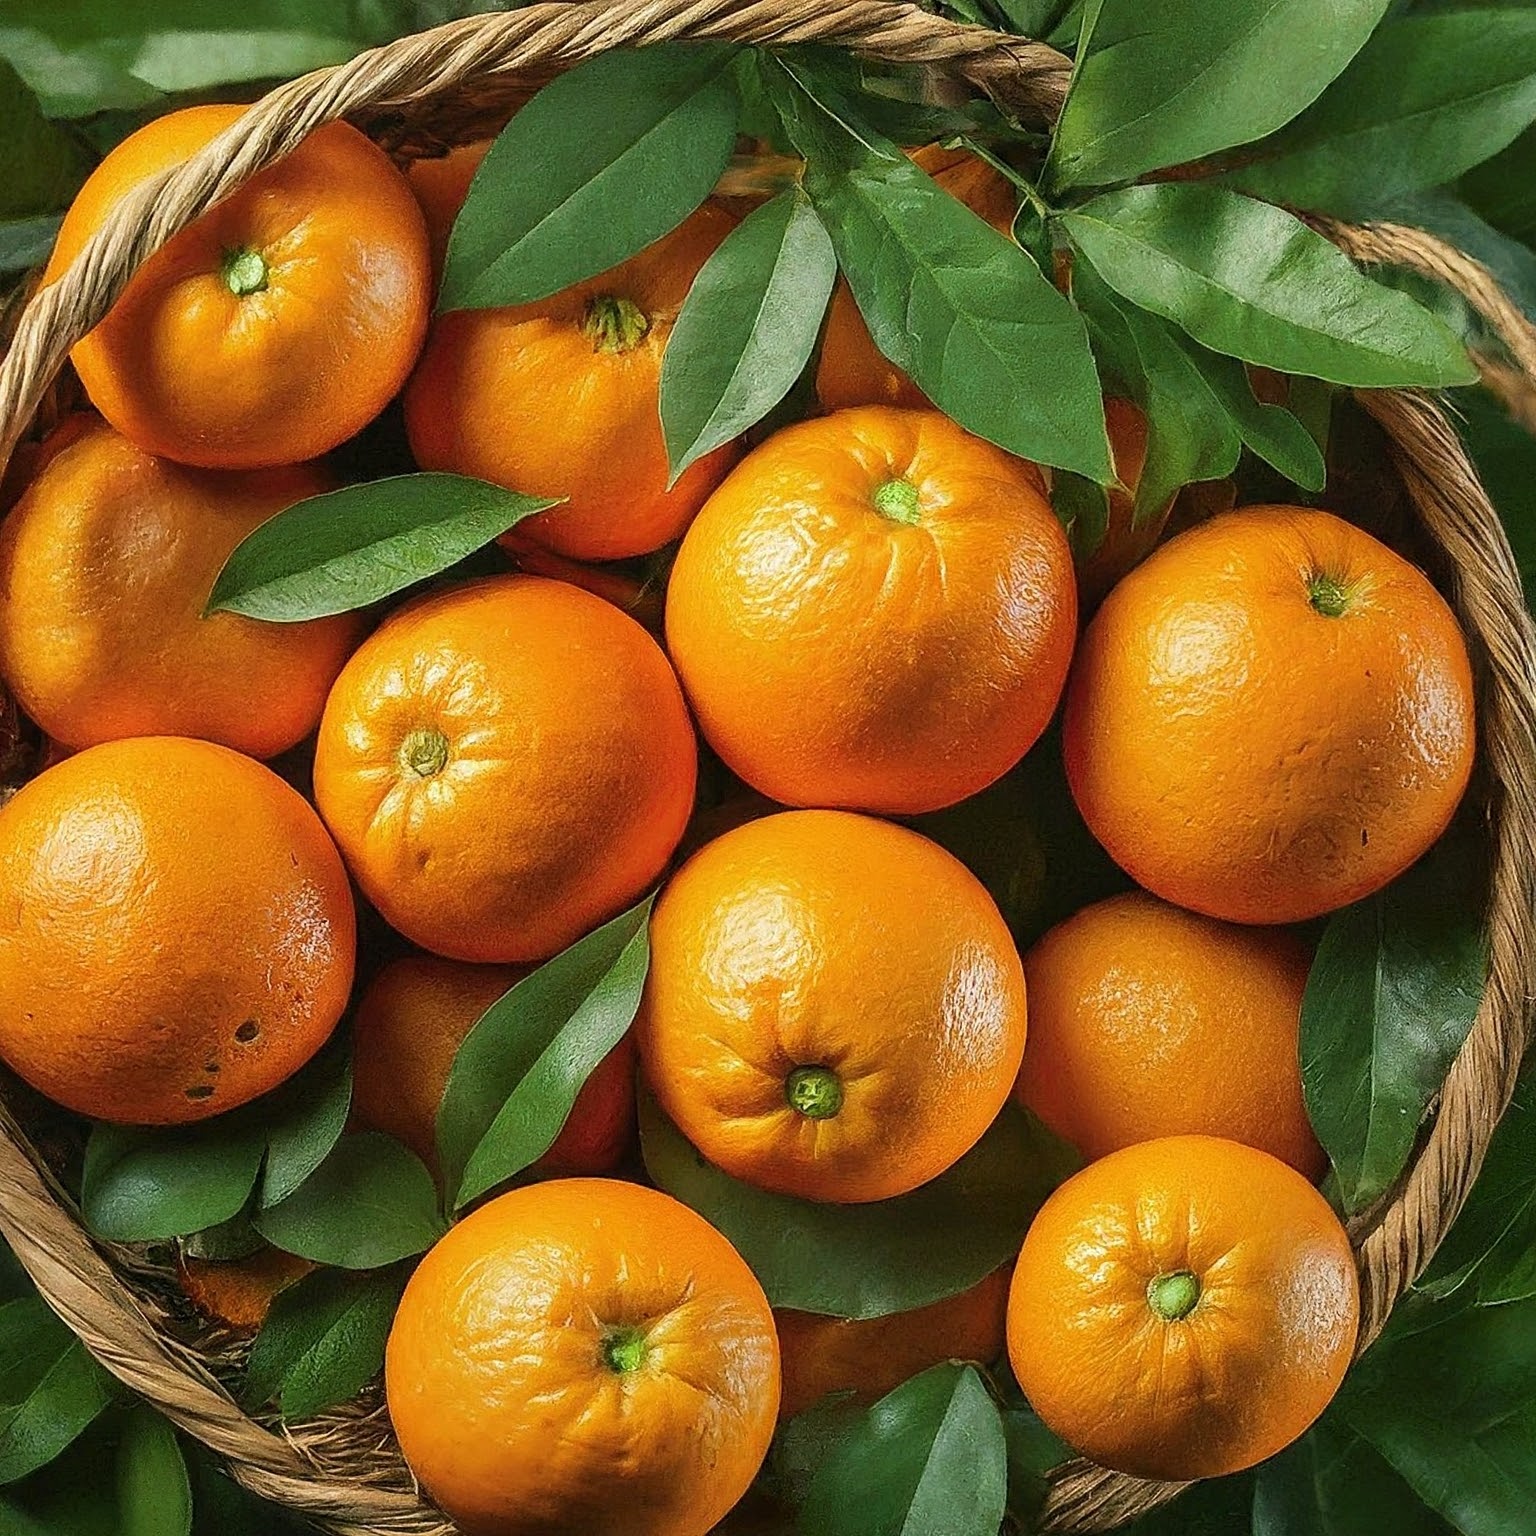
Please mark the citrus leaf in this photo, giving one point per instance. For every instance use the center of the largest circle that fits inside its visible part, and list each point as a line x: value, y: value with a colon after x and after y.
x: 1159, y: 82
x: 1251, y: 281
x: 154, y: 1493
x: 604, y: 160
x: 747, y: 328
x: 1082, y: 508
x: 1392, y: 992
x: 1034, y: 1452
x: 1505, y: 456
x: 1503, y: 190
x: 349, y: 548
x: 890, y: 1255
x: 145, y: 1185
x: 41, y: 165
x: 956, y: 305
x: 928, y: 1459
x: 50, y: 1387
x: 370, y: 1203
x: 1428, y: 98
x: 27, y: 243
x: 519, y: 1070
x: 1447, y: 1396
x: 323, y: 1341
x: 308, y: 1116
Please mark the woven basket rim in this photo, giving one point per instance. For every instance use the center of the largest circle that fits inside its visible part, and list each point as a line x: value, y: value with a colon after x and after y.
x: 386, y: 91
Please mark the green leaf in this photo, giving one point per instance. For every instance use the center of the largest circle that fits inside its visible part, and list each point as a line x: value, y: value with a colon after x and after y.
x: 370, y: 1203
x: 1190, y: 436
x: 349, y: 548
x: 1251, y: 281
x: 1160, y: 82
x: 69, y: 1496
x: 1448, y: 1397
x: 806, y: 1441
x: 928, y: 1459
x: 1505, y: 455
x: 1503, y: 189
x: 519, y: 1070
x: 1392, y: 992
x: 41, y: 166
x: 747, y: 328
x: 1082, y: 508
x: 1426, y: 99
x: 955, y: 304
x: 1217, y: 1507
x: 26, y: 243
x: 323, y: 1341
x: 1270, y: 431
x: 603, y: 161
x: 50, y: 1387
x: 144, y: 1185
x: 154, y: 1494
x: 888, y: 1256
x: 1033, y: 1453
x: 309, y: 1115
x: 1492, y: 1245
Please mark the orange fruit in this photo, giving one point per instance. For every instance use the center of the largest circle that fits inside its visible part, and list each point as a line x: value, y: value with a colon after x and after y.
x: 1270, y: 717
x: 584, y: 1355
x: 875, y: 611
x: 106, y: 564
x: 851, y: 369
x: 275, y: 326
x: 505, y: 765
x: 441, y: 183
x: 1183, y: 1308
x: 559, y: 398
x: 178, y: 932
x: 409, y: 1025
x: 834, y: 1008
x: 872, y: 1356
x: 1146, y: 1020
x: 239, y: 1292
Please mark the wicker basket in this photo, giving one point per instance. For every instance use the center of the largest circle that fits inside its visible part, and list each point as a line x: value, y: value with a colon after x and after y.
x: 459, y: 81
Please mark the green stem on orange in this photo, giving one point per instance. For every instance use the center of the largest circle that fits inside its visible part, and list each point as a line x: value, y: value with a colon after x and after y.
x: 815, y: 1092
x: 1174, y: 1295
x: 1329, y: 597
x: 623, y: 1350
x: 245, y: 271
x: 424, y: 752
x: 613, y: 323
x: 897, y: 500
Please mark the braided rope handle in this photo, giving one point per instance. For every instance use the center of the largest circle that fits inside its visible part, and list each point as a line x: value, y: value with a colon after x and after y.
x: 483, y: 52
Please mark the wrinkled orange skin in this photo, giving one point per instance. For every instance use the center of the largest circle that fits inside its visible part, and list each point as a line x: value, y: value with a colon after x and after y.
x: 441, y: 185
x: 569, y: 775
x: 526, y: 398
x: 505, y: 1406
x: 193, y: 371
x: 239, y: 1292
x: 872, y: 1356
x: 824, y: 939
x: 409, y: 1025
x: 835, y: 656
x: 1235, y: 1381
x: 1146, y: 1020
x: 106, y: 564
x: 161, y: 896
x: 1246, y: 756
x: 852, y: 370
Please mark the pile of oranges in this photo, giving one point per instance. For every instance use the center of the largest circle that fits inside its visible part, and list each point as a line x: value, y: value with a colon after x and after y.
x: 871, y: 615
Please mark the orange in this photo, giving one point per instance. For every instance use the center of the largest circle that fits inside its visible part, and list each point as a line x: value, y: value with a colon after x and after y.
x: 1148, y: 1021
x: 177, y: 932
x: 275, y: 326
x: 505, y: 765
x: 872, y: 1356
x: 875, y: 611
x: 834, y: 1009
x: 1183, y: 1308
x: 239, y: 1292
x: 409, y: 1025
x: 559, y: 398
x: 851, y: 369
x: 584, y: 1355
x: 106, y: 564
x: 441, y: 184
x: 1270, y: 717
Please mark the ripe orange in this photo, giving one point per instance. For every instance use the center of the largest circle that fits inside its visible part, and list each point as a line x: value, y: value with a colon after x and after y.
x: 559, y: 398
x: 875, y: 611
x: 106, y: 564
x: 441, y: 184
x: 177, y: 932
x: 505, y: 765
x: 239, y: 1292
x: 851, y: 369
x: 410, y: 1023
x: 1270, y: 717
x: 1148, y: 1021
x: 872, y: 1356
x: 274, y: 327
x: 834, y: 1009
x: 584, y: 1355
x: 1182, y: 1309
